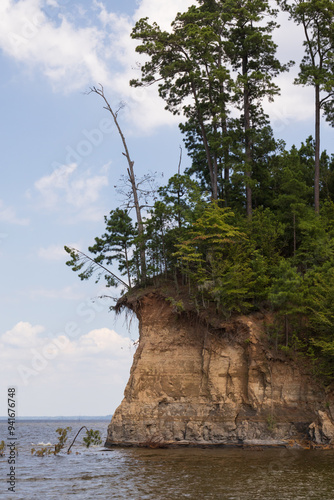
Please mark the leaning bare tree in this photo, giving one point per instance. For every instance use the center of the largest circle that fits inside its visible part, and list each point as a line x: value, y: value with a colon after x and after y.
x: 132, y: 179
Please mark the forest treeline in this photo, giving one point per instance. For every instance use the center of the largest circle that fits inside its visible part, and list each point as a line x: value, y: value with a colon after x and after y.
x: 249, y: 226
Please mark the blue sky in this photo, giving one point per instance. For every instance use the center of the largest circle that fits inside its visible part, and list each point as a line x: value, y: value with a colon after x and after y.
x: 60, y: 160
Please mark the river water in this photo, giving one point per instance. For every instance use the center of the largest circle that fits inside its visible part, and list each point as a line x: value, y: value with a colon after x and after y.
x: 166, y: 474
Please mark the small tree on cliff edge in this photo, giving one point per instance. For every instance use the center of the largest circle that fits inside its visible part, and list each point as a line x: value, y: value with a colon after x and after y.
x: 117, y: 243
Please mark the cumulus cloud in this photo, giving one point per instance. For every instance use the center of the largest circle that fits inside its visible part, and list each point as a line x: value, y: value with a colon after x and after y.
x: 77, y: 49
x: 162, y: 12
x: 145, y: 110
x: 8, y: 215
x: 102, y: 340
x: 295, y: 103
x: 81, y: 365
x: 67, y: 55
x: 71, y: 343
x: 52, y: 252
x: 72, y: 55
x: 76, y: 189
x: 22, y: 335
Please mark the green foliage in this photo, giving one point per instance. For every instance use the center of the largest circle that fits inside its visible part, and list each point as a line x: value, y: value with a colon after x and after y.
x: 92, y: 438
x: 192, y: 67
x: 42, y: 452
x: 215, y: 66
x: 62, y: 438
x: 208, y: 238
x: 177, y: 305
x: 115, y: 244
x: 265, y: 231
x: 184, y: 199
x: 285, y: 293
x: 316, y: 67
x: 319, y: 296
x: 213, y: 259
x: 181, y: 61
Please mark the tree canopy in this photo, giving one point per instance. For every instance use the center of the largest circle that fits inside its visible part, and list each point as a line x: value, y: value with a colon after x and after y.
x: 241, y: 228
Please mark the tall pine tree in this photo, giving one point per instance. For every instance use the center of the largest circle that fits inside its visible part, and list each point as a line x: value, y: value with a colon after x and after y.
x: 317, y: 66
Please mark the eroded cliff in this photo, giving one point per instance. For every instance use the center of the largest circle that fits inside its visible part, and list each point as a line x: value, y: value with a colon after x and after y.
x: 192, y: 383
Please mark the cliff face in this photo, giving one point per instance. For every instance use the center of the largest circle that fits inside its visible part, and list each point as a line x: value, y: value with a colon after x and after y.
x: 192, y: 384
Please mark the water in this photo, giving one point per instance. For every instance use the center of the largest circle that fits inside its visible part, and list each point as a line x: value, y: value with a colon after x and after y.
x: 162, y: 474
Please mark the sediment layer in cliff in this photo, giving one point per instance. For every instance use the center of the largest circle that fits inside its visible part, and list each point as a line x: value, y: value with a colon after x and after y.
x: 198, y: 383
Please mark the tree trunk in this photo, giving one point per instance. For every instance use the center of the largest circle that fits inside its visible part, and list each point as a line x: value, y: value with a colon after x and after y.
x: 179, y: 192
x: 224, y: 131
x: 226, y: 163
x: 248, y: 152
x: 139, y: 217
x: 127, y: 266
x: 213, y: 173
x: 132, y: 179
x: 317, y: 151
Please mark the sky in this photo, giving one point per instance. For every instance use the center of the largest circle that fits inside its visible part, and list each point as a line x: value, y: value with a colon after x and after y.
x: 61, y: 162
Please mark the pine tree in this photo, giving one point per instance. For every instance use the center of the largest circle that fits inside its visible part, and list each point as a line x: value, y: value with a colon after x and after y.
x: 116, y: 244
x: 251, y: 51
x: 191, y: 61
x: 189, y: 66
x: 317, y: 66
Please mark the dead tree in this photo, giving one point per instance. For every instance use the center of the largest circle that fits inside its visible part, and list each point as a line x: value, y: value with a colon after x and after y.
x: 132, y: 178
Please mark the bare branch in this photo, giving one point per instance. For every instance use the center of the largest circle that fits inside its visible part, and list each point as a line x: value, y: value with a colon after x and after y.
x: 100, y: 265
x: 100, y: 91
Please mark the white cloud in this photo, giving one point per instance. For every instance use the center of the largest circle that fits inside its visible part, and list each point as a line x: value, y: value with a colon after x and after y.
x: 103, y: 341
x: 295, y: 103
x: 8, y: 215
x: 79, y: 190
x: 73, y: 56
x: 51, y: 186
x: 145, y: 110
x: 162, y: 12
x: 22, y: 335
x: 88, y: 370
x: 52, y: 253
x: 67, y: 55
